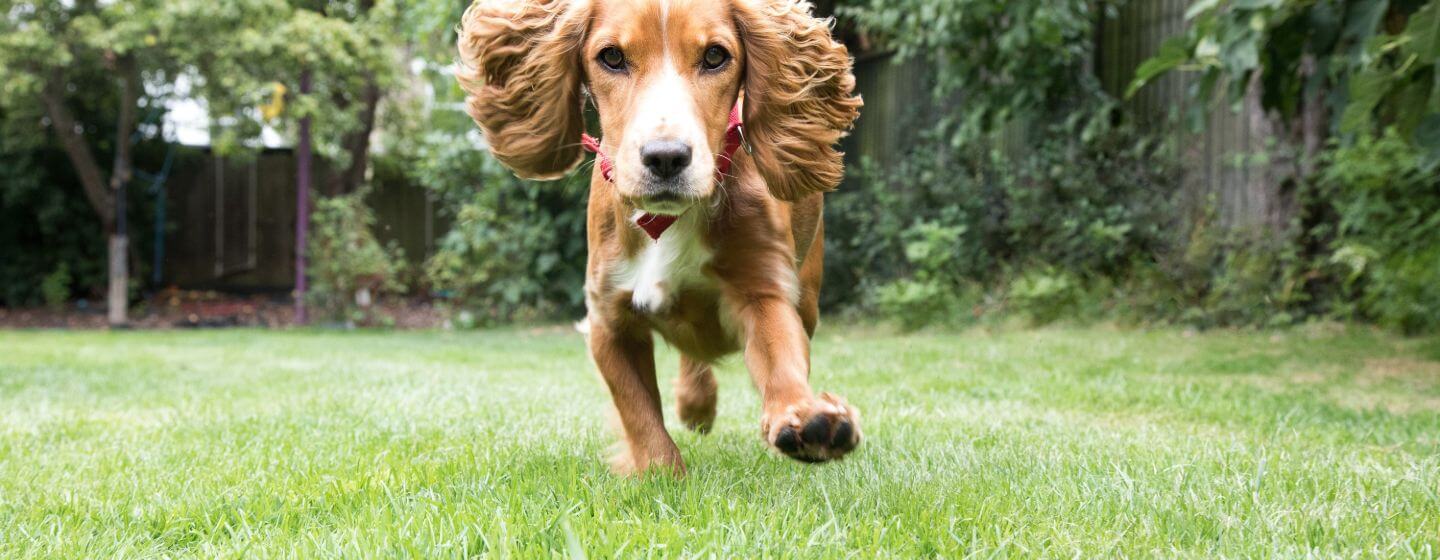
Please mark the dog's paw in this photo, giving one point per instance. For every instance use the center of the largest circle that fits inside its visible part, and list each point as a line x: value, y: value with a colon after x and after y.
x: 698, y: 417
x: 695, y: 397
x: 815, y: 430
x: 628, y: 459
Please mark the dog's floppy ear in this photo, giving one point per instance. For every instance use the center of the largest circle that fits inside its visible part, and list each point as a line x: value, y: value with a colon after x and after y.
x: 798, y: 96
x: 520, y: 68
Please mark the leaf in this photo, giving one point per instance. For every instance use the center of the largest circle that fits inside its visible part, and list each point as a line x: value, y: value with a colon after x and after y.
x: 1200, y: 7
x: 1427, y: 139
x: 1242, y: 55
x: 1424, y: 32
x: 1362, y: 20
x: 1324, y: 26
x: 1367, y: 88
x: 1408, y: 105
x: 1173, y: 53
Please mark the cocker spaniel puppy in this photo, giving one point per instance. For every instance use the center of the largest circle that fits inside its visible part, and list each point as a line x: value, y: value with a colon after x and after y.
x: 719, y: 121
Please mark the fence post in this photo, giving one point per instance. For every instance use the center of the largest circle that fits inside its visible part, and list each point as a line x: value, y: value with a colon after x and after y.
x: 302, y: 204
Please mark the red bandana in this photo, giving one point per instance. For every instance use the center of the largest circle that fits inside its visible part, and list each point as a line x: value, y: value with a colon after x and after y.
x: 655, y: 225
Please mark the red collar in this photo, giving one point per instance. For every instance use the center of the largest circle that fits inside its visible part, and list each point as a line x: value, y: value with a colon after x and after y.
x: 654, y: 225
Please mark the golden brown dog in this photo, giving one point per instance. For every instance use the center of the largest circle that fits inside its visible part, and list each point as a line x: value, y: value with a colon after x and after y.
x: 735, y: 259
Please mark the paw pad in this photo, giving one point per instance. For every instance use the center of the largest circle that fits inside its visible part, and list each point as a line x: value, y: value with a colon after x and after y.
x: 815, y: 431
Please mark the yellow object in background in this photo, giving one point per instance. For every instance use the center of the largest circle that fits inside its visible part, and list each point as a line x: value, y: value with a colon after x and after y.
x: 272, y: 110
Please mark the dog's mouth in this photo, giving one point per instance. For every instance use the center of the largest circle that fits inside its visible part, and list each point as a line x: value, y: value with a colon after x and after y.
x: 656, y: 213
x: 664, y: 204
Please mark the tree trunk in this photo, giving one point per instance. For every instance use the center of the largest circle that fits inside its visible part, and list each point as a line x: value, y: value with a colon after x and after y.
x: 108, y: 200
x: 357, y: 145
x: 1266, y: 200
x: 119, y: 297
x: 1313, y: 122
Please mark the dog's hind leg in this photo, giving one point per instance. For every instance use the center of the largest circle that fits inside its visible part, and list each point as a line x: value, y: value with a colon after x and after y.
x: 695, y: 394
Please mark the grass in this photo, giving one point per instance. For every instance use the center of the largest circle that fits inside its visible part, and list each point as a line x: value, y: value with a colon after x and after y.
x: 1061, y: 443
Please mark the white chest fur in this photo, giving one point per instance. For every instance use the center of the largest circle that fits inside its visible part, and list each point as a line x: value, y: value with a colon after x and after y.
x: 659, y: 271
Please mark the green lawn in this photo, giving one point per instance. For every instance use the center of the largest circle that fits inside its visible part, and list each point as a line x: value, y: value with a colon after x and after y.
x: 1064, y: 442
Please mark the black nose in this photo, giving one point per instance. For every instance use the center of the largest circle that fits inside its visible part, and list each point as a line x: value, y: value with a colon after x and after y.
x: 665, y: 158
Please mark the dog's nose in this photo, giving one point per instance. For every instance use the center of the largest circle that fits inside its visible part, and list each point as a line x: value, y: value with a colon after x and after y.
x: 665, y: 158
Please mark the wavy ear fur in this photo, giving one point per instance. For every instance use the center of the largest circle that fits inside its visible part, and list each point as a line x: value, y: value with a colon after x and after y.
x: 798, y: 96
x: 520, y: 68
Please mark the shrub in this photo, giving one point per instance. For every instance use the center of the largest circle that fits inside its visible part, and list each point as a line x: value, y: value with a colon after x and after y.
x: 43, y: 206
x: 1045, y: 295
x: 927, y: 237
x: 56, y: 286
x: 349, y: 267
x: 516, y: 249
x: 936, y: 291
x: 1388, y: 209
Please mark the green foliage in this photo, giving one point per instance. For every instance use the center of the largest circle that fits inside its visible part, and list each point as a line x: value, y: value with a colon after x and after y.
x: 1302, y: 49
x: 936, y: 291
x: 1222, y: 277
x: 1397, y: 84
x: 56, y: 286
x: 346, y: 259
x: 234, y: 54
x: 1007, y: 59
x: 1023, y: 193
x: 1388, y: 226
x: 242, y: 49
x: 1367, y: 246
x: 516, y: 249
x: 932, y: 234
x: 1045, y: 295
x: 42, y: 206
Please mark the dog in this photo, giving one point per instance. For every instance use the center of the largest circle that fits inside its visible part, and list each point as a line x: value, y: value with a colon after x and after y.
x: 719, y: 121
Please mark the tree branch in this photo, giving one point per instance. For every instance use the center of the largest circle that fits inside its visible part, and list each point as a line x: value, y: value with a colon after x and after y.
x: 357, y: 143
x: 77, y: 150
x: 125, y: 124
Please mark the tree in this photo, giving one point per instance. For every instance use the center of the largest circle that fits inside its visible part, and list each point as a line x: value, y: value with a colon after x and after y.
x: 239, y: 53
x: 41, y: 46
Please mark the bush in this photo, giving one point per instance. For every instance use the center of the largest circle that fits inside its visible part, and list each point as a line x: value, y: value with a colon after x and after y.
x: 936, y: 292
x: 43, y: 206
x: 516, y: 249
x: 1045, y: 295
x: 349, y: 267
x: 930, y: 236
x: 56, y: 286
x: 1387, y: 237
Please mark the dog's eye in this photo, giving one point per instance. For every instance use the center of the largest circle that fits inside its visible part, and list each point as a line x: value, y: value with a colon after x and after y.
x: 715, y: 57
x: 612, y: 58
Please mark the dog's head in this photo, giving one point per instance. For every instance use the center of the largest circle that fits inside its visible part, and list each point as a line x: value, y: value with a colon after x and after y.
x: 664, y: 76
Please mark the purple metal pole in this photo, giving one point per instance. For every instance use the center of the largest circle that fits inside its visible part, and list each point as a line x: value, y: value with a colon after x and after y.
x: 302, y: 204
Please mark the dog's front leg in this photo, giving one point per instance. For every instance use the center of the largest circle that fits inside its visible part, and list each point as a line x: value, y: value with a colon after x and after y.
x: 626, y: 358
x: 795, y: 421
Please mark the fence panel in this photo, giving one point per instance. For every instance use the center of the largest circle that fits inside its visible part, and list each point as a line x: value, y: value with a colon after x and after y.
x: 232, y: 221
x: 1236, y: 166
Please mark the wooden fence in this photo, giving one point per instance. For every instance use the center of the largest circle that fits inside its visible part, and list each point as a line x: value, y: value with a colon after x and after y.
x: 1236, y: 167
x: 230, y: 224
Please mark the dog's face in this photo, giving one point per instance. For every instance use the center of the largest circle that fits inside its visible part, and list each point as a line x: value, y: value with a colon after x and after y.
x: 664, y: 75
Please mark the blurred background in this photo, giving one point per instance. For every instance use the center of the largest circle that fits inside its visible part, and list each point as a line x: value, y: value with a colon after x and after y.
x: 1212, y: 163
